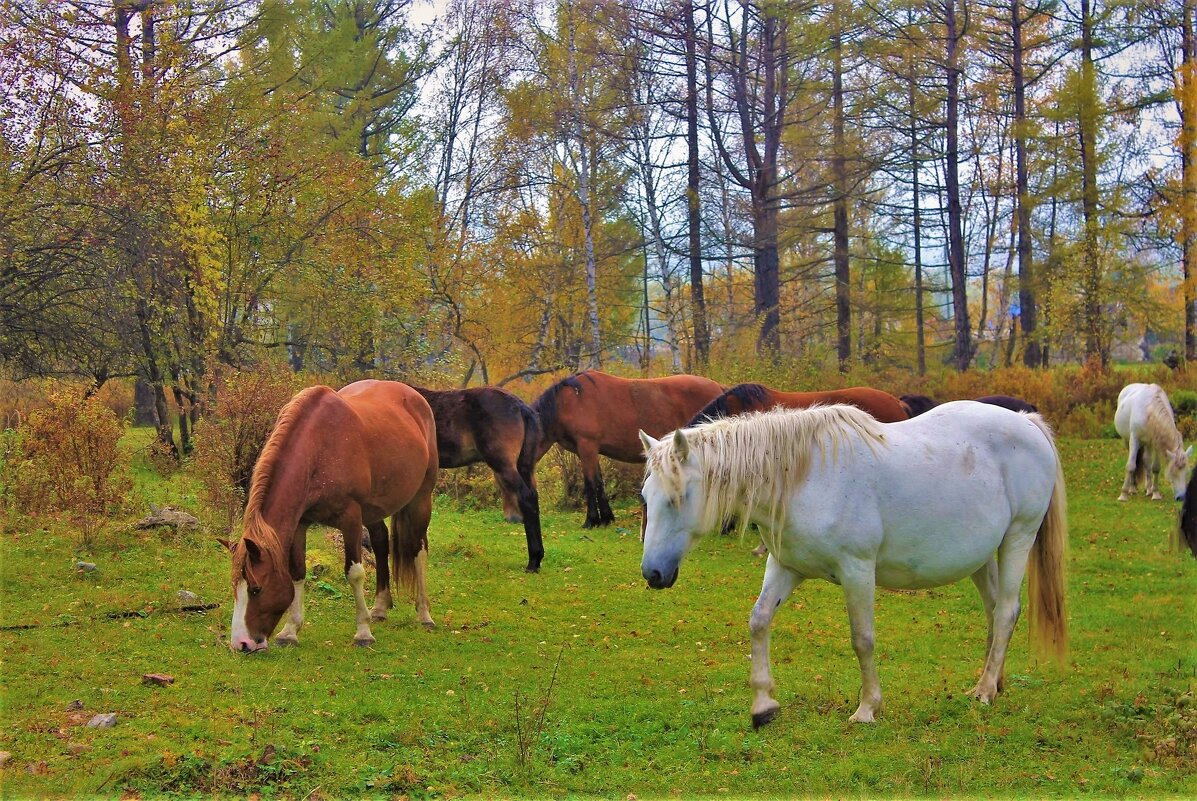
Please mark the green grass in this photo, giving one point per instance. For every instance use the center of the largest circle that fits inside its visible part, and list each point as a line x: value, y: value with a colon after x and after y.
x: 650, y: 697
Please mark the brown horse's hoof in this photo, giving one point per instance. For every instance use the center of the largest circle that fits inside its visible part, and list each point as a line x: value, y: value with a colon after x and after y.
x: 428, y: 625
x: 513, y: 518
x: 763, y: 718
x: 286, y: 639
x: 377, y: 615
x: 363, y: 642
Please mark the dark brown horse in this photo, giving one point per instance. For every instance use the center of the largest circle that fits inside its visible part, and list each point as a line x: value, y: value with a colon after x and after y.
x: 1187, y: 530
x: 343, y: 459
x: 594, y: 413
x: 758, y: 398
x: 918, y: 404
x: 490, y: 425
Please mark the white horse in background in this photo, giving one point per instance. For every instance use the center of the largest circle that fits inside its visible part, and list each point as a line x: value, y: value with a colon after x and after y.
x: 1144, y: 420
x: 966, y: 489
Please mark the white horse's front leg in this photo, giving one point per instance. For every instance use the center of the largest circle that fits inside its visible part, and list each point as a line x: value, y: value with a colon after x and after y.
x: 779, y: 583
x: 290, y: 633
x: 1128, y: 486
x: 859, y: 584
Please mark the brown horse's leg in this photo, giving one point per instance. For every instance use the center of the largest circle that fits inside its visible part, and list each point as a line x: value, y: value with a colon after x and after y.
x: 382, y: 595
x: 409, y: 550
x: 351, y: 529
x: 290, y: 633
x: 511, y: 506
x: 529, y: 505
x: 588, y: 454
x: 600, y: 495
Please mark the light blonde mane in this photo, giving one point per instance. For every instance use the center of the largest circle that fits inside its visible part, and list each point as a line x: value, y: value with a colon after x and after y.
x: 1159, y: 429
x: 750, y: 464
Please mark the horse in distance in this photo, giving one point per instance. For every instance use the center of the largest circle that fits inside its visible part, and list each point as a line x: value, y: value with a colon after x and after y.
x: 1146, y: 424
x: 744, y: 398
x: 593, y: 413
x: 345, y: 459
x: 491, y: 425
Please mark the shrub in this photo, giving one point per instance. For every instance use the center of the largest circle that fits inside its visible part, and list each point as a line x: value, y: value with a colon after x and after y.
x: 230, y: 437
x: 66, y: 459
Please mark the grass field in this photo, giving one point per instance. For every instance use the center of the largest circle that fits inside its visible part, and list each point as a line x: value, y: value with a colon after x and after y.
x: 579, y: 681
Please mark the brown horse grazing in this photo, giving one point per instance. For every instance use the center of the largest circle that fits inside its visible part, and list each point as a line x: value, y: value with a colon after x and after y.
x: 918, y: 404
x: 594, y: 413
x: 489, y: 424
x: 758, y: 398
x: 343, y: 459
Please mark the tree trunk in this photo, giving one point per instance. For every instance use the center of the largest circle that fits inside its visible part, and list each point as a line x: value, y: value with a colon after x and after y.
x: 916, y: 221
x: 843, y: 309
x: 698, y: 303
x: 1032, y: 355
x: 1188, y: 161
x: 592, y: 311
x: 956, y: 256
x: 1087, y: 129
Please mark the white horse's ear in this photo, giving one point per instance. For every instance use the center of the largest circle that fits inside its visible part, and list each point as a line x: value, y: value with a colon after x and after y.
x: 647, y: 441
x: 680, y: 446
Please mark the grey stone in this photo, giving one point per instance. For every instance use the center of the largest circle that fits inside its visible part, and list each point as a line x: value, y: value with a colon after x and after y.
x: 187, y: 597
x: 86, y: 567
x: 104, y: 720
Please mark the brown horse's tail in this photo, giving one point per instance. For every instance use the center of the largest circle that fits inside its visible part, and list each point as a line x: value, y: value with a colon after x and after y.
x: 407, y: 541
x: 1047, y: 567
x: 530, y: 450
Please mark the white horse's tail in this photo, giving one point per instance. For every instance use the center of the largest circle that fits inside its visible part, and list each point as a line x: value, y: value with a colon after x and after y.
x: 1047, y: 567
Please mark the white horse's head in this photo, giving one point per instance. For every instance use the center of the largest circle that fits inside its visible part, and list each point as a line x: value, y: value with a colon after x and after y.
x: 1176, y: 470
x: 672, y: 511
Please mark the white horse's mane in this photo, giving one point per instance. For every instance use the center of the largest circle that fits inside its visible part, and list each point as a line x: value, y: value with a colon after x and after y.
x: 749, y: 464
x: 1160, y: 427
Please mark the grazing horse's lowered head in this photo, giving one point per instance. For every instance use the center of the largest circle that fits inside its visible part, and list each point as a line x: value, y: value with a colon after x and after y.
x: 262, y: 589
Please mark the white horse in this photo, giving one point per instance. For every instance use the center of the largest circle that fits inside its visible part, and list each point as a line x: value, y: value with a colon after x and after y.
x: 966, y: 489
x: 1144, y: 420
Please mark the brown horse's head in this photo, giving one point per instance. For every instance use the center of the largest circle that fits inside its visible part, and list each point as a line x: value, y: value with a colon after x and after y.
x: 262, y: 591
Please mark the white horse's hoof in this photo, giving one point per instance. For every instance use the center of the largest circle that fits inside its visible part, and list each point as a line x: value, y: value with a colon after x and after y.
x: 862, y: 716
x: 362, y: 642
x: 765, y: 716
x: 378, y: 614
x: 984, y: 695
x: 286, y: 639
x: 1123, y: 497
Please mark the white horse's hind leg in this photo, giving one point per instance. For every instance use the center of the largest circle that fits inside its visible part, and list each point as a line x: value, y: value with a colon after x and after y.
x: 779, y: 583
x: 986, y: 580
x: 859, y: 591
x: 1012, y: 565
x: 1128, y: 486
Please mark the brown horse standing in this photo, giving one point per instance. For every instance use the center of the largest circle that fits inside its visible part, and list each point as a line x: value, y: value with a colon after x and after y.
x: 343, y: 459
x: 758, y: 398
x: 489, y: 424
x: 594, y: 413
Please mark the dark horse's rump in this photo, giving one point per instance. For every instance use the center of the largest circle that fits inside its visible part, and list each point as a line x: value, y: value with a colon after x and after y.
x: 1188, y: 516
x: 759, y: 398
x: 1008, y: 402
x: 491, y: 425
x: 593, y: 413
x: 917, y: 404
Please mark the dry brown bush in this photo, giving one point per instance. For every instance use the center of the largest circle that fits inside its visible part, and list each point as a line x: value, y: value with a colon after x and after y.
x: 65, y: 459
x: 229, y: 438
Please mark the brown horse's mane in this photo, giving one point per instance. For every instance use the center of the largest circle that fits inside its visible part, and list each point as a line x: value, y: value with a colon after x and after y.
x: 747, y: 394
x: 545, y: 405
x: 254, y: 527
